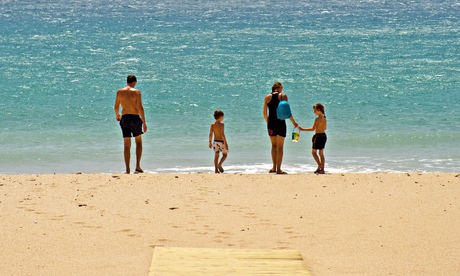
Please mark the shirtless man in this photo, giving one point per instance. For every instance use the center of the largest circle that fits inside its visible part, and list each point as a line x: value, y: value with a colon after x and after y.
x: 132, y: 120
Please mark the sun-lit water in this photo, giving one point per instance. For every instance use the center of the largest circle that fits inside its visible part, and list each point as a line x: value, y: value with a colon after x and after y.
x: 388, y: 73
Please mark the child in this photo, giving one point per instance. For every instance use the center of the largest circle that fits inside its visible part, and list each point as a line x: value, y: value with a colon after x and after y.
x: 220, y: 142
x: 320, y: 138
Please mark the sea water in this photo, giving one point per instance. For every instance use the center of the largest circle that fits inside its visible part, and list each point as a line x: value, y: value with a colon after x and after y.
x: 388, y: 73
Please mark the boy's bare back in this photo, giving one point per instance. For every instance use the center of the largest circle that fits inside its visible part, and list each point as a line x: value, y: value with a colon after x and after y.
x: 320, y: 124
x: 218, y: 129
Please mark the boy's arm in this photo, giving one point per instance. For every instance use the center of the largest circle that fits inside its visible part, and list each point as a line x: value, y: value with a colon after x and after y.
x: 309, y: 129
x: 210, y: 137
x: 223, y: 137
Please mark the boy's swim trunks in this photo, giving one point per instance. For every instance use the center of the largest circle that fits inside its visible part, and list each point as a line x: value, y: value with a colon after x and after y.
x: 319, y: 141
x: 131, y: 125
x: 219, y: 146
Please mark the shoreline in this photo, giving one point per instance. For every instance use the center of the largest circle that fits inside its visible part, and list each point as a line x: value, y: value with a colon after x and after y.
x: 342, y: 223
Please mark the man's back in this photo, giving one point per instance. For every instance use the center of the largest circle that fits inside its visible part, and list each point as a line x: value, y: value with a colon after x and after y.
x: 129, y: 98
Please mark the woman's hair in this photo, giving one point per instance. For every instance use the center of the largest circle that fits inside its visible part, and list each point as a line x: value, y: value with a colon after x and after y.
x: 319, y: 107
x: 276, y: 86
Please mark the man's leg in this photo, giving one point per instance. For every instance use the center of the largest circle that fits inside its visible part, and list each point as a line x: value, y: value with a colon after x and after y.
x: 138, y: 140
x: 127, y: 152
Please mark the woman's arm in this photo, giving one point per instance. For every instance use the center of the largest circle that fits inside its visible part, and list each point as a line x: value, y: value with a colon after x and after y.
x: 266, y: 101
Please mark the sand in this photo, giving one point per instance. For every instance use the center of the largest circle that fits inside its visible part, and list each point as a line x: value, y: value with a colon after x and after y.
x: 343, y: 224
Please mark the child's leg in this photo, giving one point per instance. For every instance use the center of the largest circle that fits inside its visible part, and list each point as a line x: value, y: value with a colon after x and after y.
x: 216, y: 162
x: 315, y: 156
x: 322, y: 159
x: 224, y: 156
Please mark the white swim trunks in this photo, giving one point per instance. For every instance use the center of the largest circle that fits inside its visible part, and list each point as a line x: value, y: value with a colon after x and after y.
x: 219, y: 146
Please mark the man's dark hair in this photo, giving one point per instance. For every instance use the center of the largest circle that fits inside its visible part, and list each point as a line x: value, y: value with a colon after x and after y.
x: 131, y: 79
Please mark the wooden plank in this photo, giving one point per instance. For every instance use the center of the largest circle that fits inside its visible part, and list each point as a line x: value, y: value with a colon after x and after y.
x: 215, y: 261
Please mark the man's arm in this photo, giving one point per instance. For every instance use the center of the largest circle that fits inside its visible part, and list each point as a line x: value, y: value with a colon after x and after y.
x: 142, y: 113
x: 116, y: 108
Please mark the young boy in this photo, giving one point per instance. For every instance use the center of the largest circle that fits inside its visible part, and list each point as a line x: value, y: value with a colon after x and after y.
x: 220, y: 142
x: 320, y: 138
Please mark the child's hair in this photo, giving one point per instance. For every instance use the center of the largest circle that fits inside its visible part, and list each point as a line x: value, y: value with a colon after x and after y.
x: 320, y: 107
x: 276, y: 86
x: 218, y: 114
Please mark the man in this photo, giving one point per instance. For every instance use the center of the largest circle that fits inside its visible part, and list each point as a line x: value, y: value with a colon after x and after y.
x: 132, y: 120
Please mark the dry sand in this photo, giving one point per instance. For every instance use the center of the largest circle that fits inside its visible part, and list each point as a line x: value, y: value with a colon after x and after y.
x: 343, y: 224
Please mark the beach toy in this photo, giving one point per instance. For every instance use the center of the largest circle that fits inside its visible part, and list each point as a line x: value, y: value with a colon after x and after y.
x: 295, y: 135
x: 283, y: 111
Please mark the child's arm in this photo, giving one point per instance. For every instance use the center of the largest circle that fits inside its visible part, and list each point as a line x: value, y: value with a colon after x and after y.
x: 210, y: 136
x: 309, y: 129
x: 223, y: 137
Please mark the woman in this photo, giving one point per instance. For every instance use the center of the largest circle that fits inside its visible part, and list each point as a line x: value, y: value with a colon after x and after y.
x: 276, y: 127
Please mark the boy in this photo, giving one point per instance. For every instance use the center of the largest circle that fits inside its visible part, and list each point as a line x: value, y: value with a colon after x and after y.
x: 320, y: 138
x: 220, y: 142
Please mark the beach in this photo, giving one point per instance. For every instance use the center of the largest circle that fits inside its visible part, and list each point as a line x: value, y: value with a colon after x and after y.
x: 342, y: 223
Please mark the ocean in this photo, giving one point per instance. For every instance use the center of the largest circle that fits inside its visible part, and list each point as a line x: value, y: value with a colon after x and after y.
x: 388, y: 73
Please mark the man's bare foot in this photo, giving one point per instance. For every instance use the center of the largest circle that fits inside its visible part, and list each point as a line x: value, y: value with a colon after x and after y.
x: 128, y: 171
x: 139, y: 170
x: 217, y: 171
x: 221, y: 169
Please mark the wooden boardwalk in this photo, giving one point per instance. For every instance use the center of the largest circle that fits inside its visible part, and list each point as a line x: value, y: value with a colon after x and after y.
x: 214, y: 261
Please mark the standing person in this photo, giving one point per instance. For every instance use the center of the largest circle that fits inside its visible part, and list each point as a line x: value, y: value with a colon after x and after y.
x: 320, y: 138
x: 276, y: 127
x: 132, y: 120
x: 220, y: 141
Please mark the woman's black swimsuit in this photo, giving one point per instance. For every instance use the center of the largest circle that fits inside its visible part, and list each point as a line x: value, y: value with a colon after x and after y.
x: 275, y: 126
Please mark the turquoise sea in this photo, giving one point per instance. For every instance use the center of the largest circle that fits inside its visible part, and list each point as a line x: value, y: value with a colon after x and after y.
x: 388, y: 73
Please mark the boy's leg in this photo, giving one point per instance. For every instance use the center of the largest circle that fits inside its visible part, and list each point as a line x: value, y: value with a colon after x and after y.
x: 127, y: 152
x: 216, y: 162
x: 224, y: 156
x: 322, y: 159
x: 315, y: 156
x: 138, y: 140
